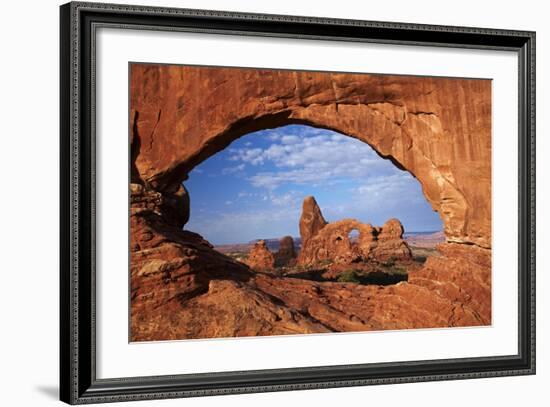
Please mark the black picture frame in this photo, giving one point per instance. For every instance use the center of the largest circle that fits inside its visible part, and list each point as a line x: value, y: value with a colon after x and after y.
x: 78, y: 382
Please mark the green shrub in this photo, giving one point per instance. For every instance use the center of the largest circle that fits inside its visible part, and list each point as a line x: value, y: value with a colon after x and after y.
x: 395, y: 270
x: 349, y: 276
x: 420, y: 258
x: 390, y: 262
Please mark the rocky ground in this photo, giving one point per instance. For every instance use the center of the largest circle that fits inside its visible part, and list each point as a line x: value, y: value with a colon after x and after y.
x: 182, y: 288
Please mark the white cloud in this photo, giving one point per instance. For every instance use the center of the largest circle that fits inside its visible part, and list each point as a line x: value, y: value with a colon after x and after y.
x: 290, y: 139
x: 252, y: 195
x: 313, y: 156
x: 386, y: 184
x: 239, y: 227
x: 233, y: 170
x: 252, y: 156
x: 288, y: 200
x: 274, y: 136
x: 383, y: 194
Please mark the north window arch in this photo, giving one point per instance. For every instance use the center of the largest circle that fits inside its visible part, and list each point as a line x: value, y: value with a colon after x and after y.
x: 438, y: 130
x: 181, y: 115
x: 254, y: 188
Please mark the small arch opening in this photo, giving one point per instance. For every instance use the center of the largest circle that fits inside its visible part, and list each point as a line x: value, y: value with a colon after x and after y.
x: 353, y: 236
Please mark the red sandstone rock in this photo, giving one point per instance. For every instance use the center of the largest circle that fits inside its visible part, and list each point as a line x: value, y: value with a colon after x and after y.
x: 390, y: 243
x: 439, y: 129
x: 260, y: 258
x: 331, y: 242
x: 286, y: 255
x: 462, y: 274
x: 311, y: 221
x: 169, y: 266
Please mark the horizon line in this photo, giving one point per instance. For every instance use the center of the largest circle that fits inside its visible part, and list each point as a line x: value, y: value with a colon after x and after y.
x: 299, y: 237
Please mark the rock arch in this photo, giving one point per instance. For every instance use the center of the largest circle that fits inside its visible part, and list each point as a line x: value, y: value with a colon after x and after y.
x: 323, y: 241
x: 438, y: 129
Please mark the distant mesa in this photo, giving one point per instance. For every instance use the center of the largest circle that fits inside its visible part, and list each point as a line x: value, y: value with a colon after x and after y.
x: 430, y: 239
x: 322, y: 241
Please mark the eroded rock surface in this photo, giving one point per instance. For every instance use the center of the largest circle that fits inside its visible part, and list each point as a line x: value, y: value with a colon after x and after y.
x: 390, y: 242
x: 332, y: 241
x: 311, y: 220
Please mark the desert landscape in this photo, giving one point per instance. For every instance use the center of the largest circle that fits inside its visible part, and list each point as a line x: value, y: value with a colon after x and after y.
x: 339, y: 276
x: 371, y: 258
x: 377, y: 255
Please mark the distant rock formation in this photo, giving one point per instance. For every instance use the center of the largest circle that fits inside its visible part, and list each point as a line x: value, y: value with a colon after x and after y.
x: 286, y: 256
x: 322, y: 241
x: 390, y: 242
x: 429, y: 240
x: 311, y: 221
x: 260, y: 258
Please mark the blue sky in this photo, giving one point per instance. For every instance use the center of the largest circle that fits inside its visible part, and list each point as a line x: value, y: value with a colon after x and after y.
x: 255, y: 187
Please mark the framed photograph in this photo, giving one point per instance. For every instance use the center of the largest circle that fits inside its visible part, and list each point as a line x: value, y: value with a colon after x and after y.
x: 254, y: 203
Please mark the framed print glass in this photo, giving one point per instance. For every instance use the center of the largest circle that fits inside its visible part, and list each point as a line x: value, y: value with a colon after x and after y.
x: 258, y: 202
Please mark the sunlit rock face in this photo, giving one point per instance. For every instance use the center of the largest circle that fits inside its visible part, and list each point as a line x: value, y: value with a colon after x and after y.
x: 260, y: 258
x: 311, y: 220
x: 390, y: 243
x: 438, y: 129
